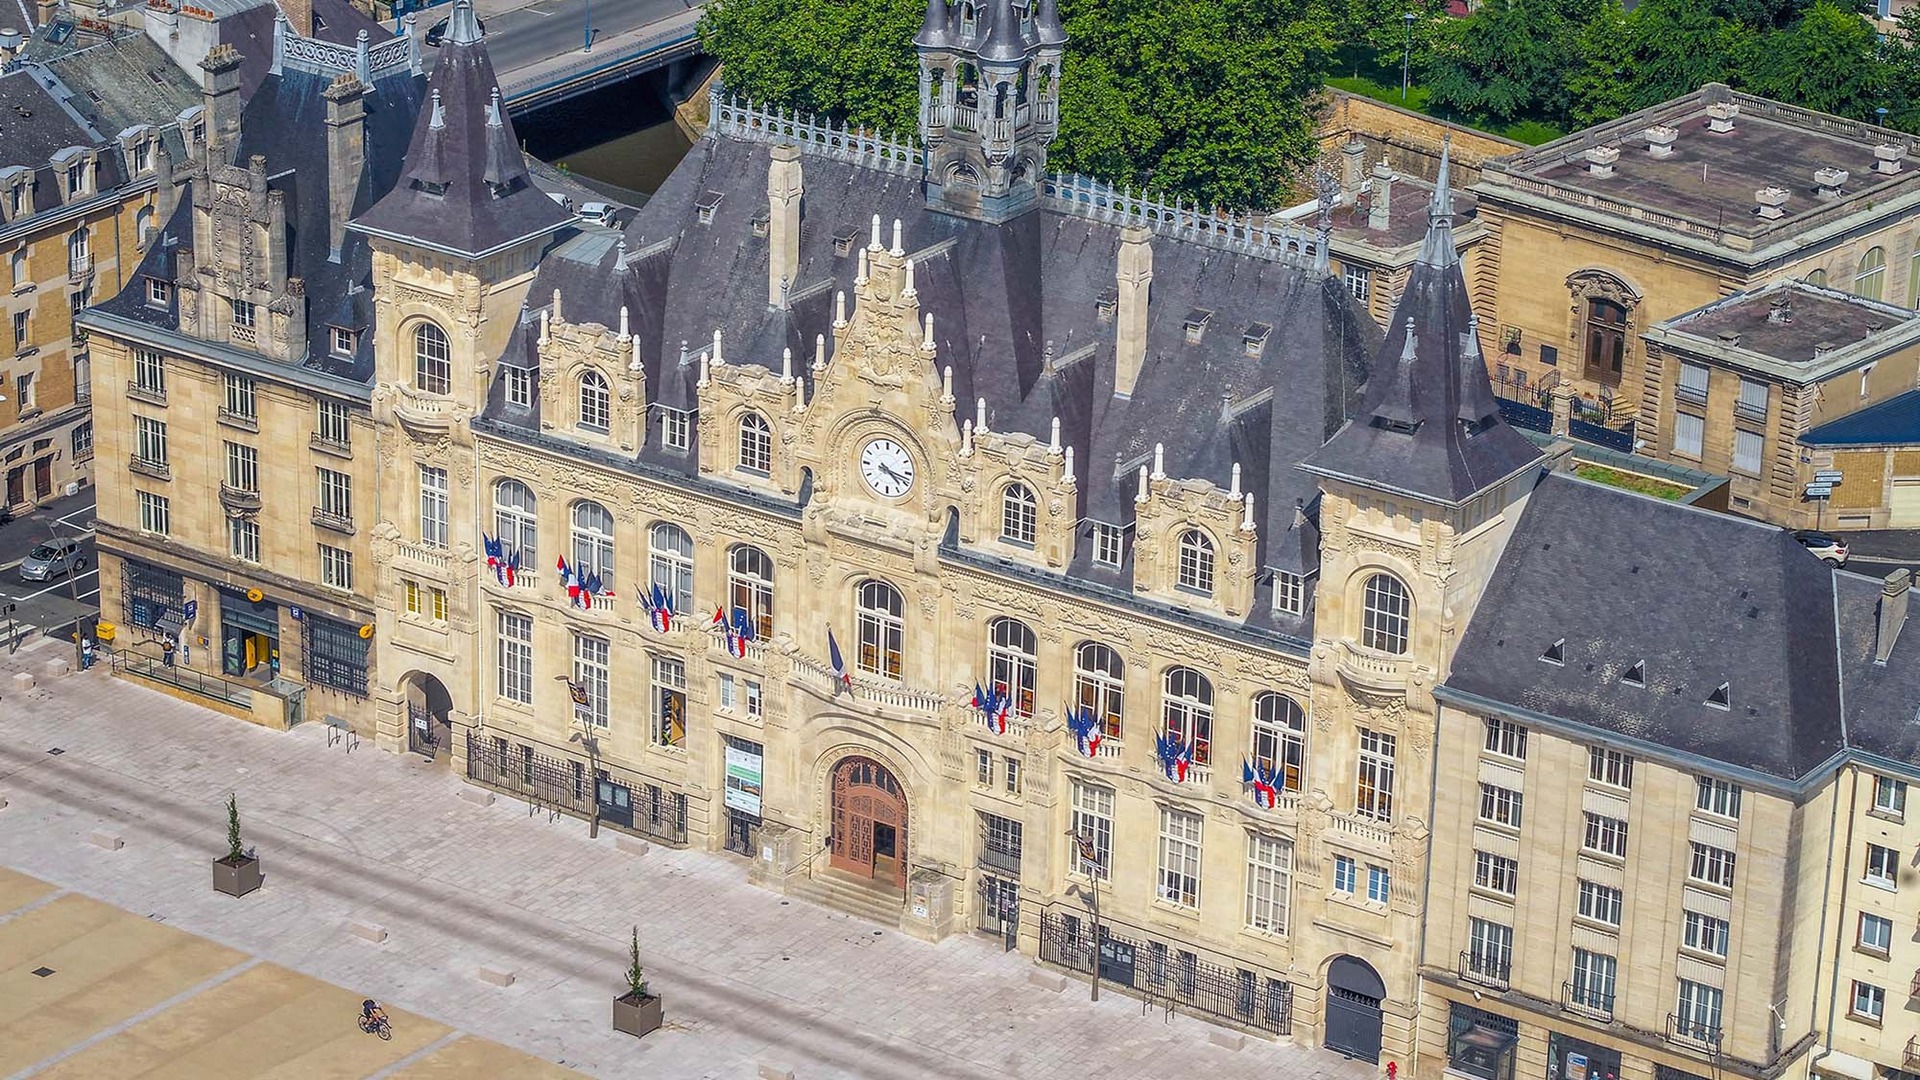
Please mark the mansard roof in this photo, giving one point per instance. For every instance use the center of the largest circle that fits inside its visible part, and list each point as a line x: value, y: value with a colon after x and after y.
x: 466, y: 189
x: 1429, y: 426
x: 1017, y: 314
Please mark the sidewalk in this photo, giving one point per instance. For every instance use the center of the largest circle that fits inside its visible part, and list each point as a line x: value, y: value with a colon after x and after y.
x: 749, y: 979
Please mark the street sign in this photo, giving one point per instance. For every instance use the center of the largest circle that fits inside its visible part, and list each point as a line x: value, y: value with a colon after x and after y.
x: 191, y: 610
x: 1827, y: 476
x: 1819, y: 491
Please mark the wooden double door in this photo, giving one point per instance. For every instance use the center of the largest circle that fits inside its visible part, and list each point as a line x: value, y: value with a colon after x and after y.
x: 869, y: 822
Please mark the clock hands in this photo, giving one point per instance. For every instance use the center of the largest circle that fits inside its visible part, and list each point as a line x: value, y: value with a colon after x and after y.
x: 894, y: 475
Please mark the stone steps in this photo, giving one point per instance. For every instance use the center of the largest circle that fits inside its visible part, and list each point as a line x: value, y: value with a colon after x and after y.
x: 854, y: 896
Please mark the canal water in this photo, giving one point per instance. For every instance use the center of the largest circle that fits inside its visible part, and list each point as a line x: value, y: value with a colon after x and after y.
x: 622, y: 135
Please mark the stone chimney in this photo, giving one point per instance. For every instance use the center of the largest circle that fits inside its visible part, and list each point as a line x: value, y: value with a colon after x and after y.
x: 1600, y: 159
x: 346, y: 155
x: 1830, y: 181
x: 1353, y: 170
x: 1886, y: 158
x: 1893, y: 612
x: 299, y: 16
x: 1773, y: 201
x: 1660, y: 140
x: 1380, y: 209
x: 10, y: 42
x: 166, y: 193
x: 220, y: 84
x: 783, y: 223
x: 1780, y: 311
x: 1720, y: 116
x: 1135, y: 279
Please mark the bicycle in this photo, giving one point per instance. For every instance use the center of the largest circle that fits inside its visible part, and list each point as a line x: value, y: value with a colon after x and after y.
x: 377, y: 1025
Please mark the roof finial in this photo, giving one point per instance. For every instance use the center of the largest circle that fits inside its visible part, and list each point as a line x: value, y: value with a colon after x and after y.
x: 1407, y: 350
x: 980, y: 414
x: 1234, y: 490
x: 909, y: 290
x: 634, y: 364
x: 874, y: 244
x: 439, y: 117
x: 1443, y: 183
x: 1053, y: 437
x: 897, y: 249
x: 927, y: 342
x: 786, y: 365
x: 1438, y: 248
x: 493, y: 109
x: 464, y: 26
x: 819, y: 352
x: 840, y: 309
x: 624, y: 335
x: 1159, y: 461
x: 1066, y: 473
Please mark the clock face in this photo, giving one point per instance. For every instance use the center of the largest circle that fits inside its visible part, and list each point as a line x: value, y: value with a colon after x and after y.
x: 887, y: 468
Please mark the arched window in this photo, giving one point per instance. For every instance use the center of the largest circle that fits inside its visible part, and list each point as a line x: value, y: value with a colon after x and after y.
x: 881, y: 621
x: 750, y: 587
x: 1280, y: 738
x: 1384, y: 614
x: 670, y: 564
x: 756, y: 444
x: 1012, y: 662
x: 1196, y: 562
x: 1019, y: 515
x: 593, y: 541
x: 516, y: 520
x: 143, y: 225
x: 1187, y: 710
x: 432, y: 359
x: 596, y: 404
x: 1870, y: 280
x: 1100, y: 685
x: 1817, y: 277
x: 77, y: 250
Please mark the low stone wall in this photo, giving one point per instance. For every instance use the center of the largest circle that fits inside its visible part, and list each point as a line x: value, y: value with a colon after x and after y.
x: 1410, y: 139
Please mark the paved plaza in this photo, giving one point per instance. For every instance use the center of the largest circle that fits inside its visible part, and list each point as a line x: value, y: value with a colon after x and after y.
x: 368, y: 839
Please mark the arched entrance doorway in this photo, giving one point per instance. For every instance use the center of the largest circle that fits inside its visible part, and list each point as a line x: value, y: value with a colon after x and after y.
x: 429, y: 711
x: 1354, y: 994
x: 869, y: 822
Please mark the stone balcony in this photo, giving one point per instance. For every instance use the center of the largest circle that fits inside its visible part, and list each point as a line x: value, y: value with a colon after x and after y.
x: 239, y: 500
x: 1370, y: 669
x: 422, y: 412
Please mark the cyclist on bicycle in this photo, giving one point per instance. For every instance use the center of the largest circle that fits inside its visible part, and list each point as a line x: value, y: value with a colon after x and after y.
x: 371, y: 1015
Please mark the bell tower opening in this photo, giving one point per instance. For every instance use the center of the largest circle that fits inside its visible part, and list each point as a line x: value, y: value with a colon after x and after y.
x: 989, y: 103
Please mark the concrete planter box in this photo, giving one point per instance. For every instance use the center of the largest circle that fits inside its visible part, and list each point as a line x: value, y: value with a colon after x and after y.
x: 236, y: 878
x: 636, y: 1015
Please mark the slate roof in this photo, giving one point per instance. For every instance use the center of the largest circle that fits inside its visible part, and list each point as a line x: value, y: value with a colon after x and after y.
x: 1428, y: 425
x: 465, y: 188
x: 1699, y: 599
x: 1893, y: 422
x: 1004, y: 297
x: 124, y: 82
x: 35, y: 125
x: 1883, y: 700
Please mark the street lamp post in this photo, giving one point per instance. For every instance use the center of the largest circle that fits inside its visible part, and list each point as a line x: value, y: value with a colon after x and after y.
x: 591, y: 744
x: 1406, y: 58
x: 1083, y: 841
x: 73, y: 594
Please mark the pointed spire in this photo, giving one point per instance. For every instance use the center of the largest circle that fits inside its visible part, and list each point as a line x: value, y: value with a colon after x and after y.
x: 936, y: 27
x: 1438, y: 249
x: 620, y: 256
x: 1001, y: 45
x: 463, y: 28
x: 438, y: 119
x: 1046, y: 25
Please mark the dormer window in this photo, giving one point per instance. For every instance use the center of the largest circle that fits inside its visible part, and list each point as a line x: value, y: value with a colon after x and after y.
x: 76, y: 178
x: 1722, y: 697
x: 760, y: 225
x: 429, y: 187
x: 1556, y: 653
x: 1108, y: 303
x: 143, y: 156
x: 1289, y: 593
x: 159, y: 292
x: 1108, y: 543
x: 17, y: 200
x: 676, y: 428
x: 1196, y: 324
x: 843, y: 238
x: 341, y: 341
x: 1636, y: 675
x: 706, y: 205
x: 1256, y: 336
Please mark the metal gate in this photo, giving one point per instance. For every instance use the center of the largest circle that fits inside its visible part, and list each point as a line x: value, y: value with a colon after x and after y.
x: 420, y: 737
x: 1354, y: 993
x: 1000, y: 909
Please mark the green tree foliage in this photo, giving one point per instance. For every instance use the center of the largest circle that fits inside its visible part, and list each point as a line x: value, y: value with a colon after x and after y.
x: 1505, y: 63
x: 1679, y: 46
x: 1830, y: 60
x: 850, y: 59
x: 1598, y: 87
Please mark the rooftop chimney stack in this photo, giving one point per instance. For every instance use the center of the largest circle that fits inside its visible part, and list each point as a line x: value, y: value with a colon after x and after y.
x: 1780, y: 312
x: 1720, y: 116
x: 1135, y: 280
x: 1886, y: 158
x: 1773, y: 201
x: 1893, y: 612
x: 783, y: 223
x: 1600, y: 159
x: 346, y: 155
x: 1830, y: 181
x: 1353, y: 170
x: 220, y: 83
x: 1660, y: 140
x: 1380, y: 210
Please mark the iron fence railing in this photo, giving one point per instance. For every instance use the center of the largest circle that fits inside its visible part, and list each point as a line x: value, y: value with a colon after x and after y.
x: 185, y: 678
x: 625, y: 803
x: 1243, y: 996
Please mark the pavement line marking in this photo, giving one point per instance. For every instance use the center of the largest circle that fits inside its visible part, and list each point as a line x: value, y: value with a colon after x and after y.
x: 433, y: 1047
x: 35, y: 905
x: 139, y: 1017
x: 62, y: 584
x: 11, y: 565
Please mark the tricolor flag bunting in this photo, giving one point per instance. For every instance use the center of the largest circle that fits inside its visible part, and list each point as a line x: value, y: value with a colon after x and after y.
x: 1263, y: 781
x: 994, y: 705
x: 1085, y: 728
x: 658, y: 606
x: 839, y: 663
x: 1175, y: 756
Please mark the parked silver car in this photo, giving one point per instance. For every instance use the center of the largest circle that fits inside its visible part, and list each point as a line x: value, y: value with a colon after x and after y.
x: 53, y: 559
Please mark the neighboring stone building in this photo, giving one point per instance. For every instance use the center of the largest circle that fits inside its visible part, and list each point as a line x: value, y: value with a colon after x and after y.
x: 234, y: 404
x: 950, y: 537
x: 1674, y: 775
x: 1598, y: 236
x: 1777, y: 387
x: 83, y: 181
x: 1379, y: 222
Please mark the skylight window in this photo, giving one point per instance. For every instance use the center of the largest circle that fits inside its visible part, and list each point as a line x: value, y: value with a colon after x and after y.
x: 1636, y: 675
x: 1722, y: 697
x: 1556, y: 653
x: 706, y: 205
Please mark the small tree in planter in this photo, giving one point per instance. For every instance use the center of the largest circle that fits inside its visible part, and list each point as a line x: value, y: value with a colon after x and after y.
x: 236, y: 873
x: 636, y: 1012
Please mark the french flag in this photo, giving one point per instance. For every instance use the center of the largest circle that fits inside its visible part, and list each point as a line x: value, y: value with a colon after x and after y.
x: 512, y: 568
x: 1085, y: 727
x: 839, y: 663
x: 492, y: 547
x: 569, y: 580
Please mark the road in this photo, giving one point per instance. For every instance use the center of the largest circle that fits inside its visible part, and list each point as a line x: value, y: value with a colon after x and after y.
x: 523, y: 36
x: 43, y: 605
